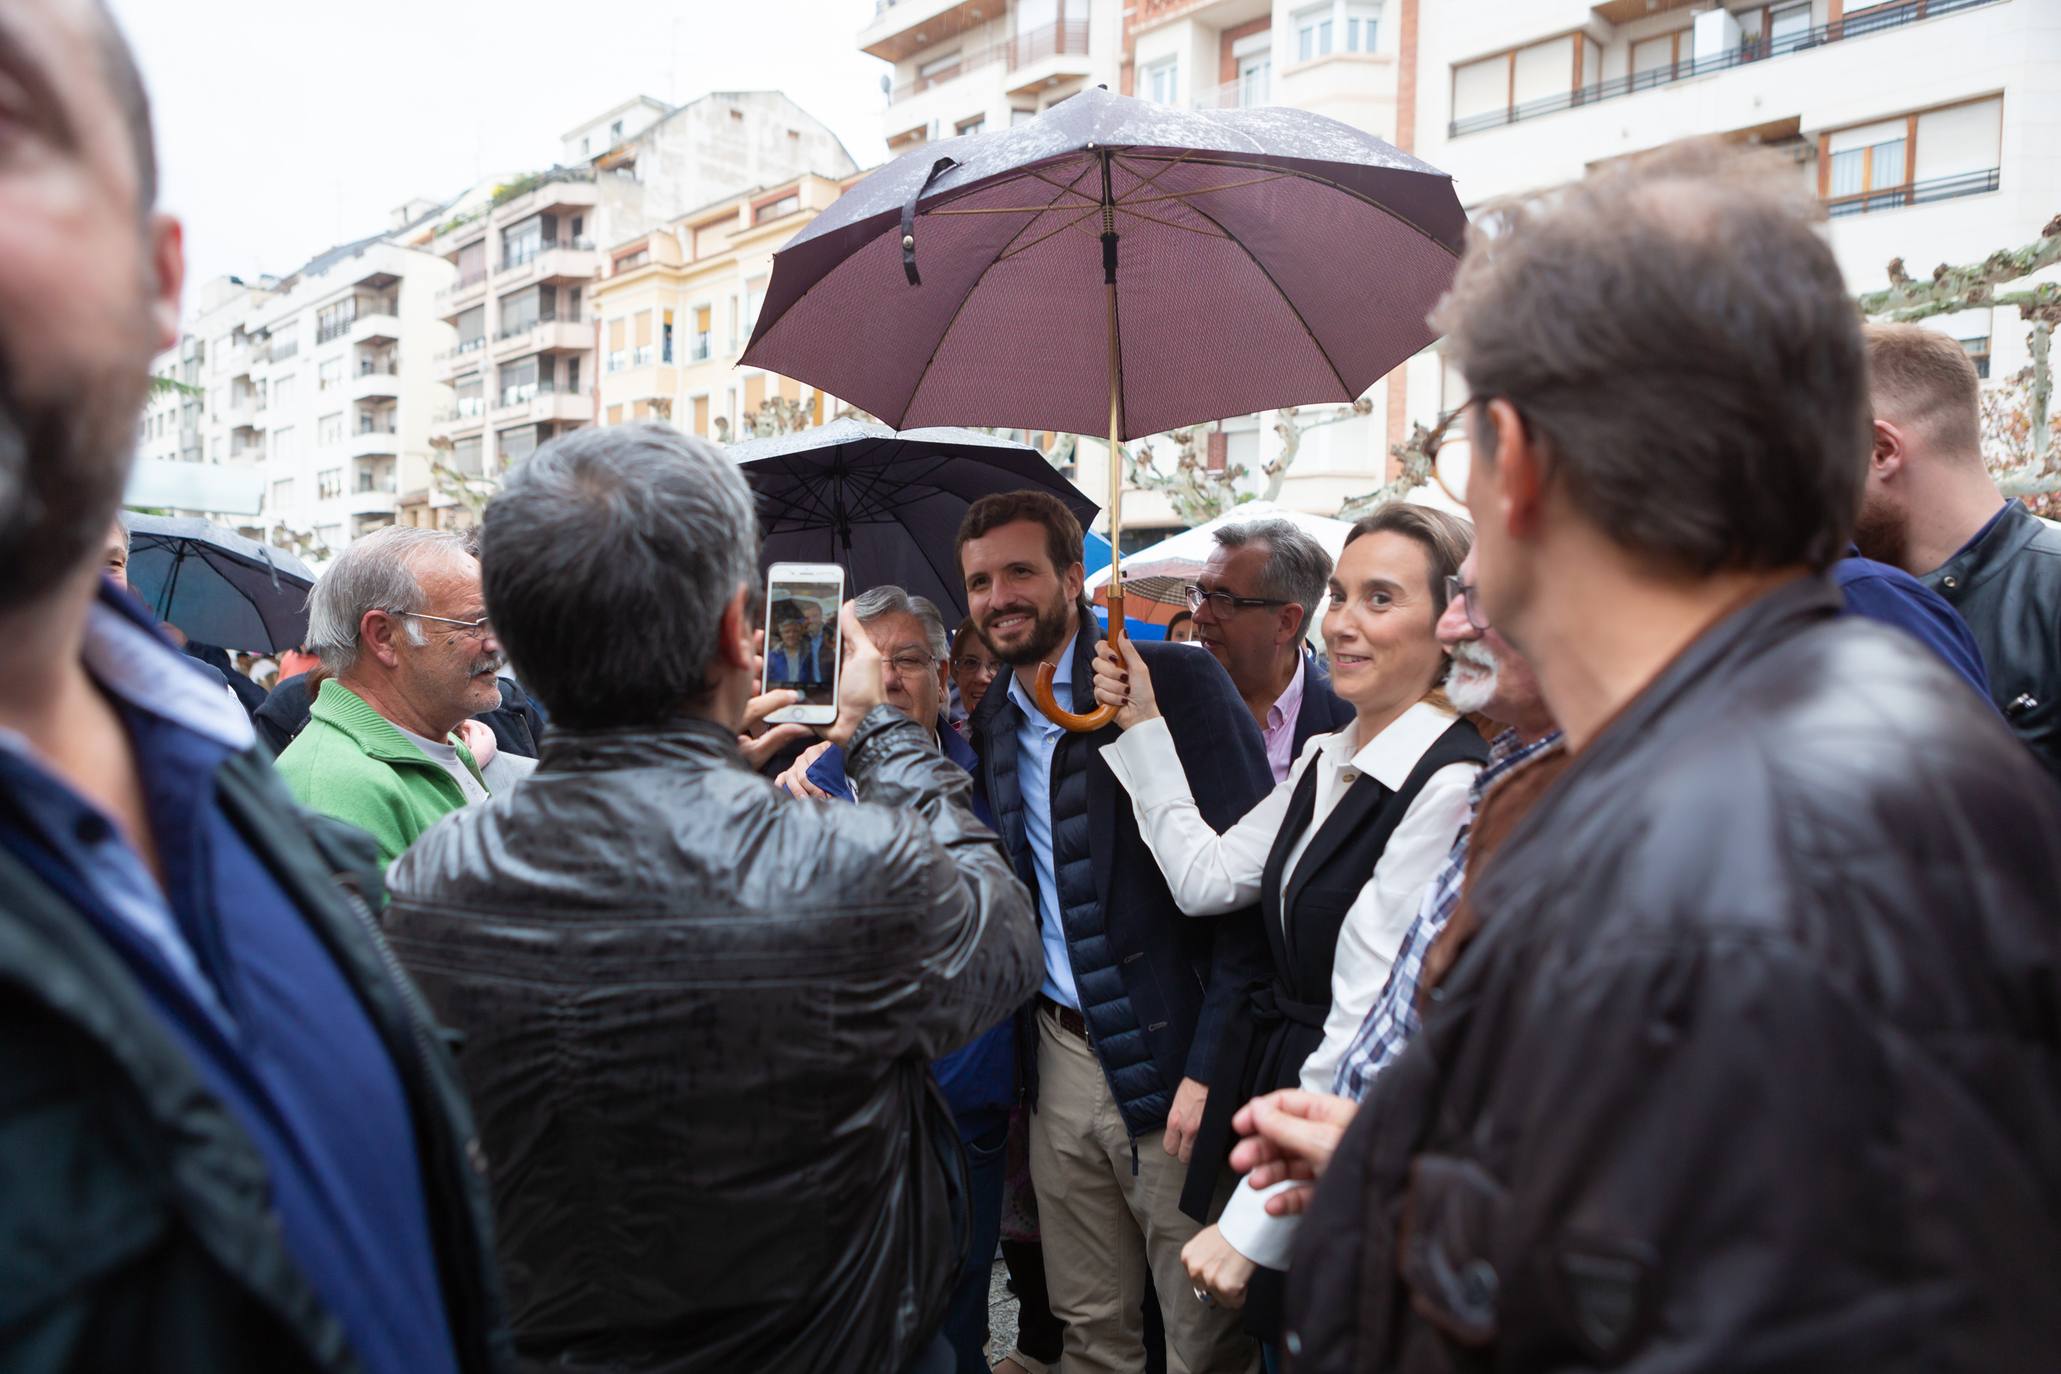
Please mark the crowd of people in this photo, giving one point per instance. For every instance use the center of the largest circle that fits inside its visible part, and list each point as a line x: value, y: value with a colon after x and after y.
x: 1625, y: 935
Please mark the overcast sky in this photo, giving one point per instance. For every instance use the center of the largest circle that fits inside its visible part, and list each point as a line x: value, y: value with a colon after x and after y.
x: 287, y: 126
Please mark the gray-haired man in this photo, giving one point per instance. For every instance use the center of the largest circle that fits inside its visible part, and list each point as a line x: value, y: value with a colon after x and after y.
x: 1254, y: 602
x: 698, y: 1013
x: 400, y: 622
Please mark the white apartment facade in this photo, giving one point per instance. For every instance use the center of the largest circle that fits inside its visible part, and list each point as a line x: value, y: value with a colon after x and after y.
x: 964, y: 66
x: 524, y: 356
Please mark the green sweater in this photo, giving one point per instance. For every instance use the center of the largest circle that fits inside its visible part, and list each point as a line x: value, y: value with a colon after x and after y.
x: 351, y: 763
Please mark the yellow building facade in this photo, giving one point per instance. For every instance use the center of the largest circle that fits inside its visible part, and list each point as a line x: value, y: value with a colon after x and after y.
x: 677, y: 306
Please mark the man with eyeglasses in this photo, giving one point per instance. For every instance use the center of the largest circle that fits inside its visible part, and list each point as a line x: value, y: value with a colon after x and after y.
x: 400, y: 622
x: 1254, y: 603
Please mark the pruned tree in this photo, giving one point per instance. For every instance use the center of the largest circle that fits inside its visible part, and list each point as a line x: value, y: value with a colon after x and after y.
x: 1199, y: 492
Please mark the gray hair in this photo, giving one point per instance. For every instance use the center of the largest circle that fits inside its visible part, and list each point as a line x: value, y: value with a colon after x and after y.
x: 375, y: 573
x: 608, y: 557
x: 891, y: 600
x: 1297, y: 568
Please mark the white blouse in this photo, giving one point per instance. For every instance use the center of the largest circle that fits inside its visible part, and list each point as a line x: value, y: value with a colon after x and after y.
x: 1208, y: 873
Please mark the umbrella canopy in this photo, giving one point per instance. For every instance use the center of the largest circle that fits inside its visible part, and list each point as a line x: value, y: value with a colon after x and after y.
x: 1261, y: 258
x: 217, y: 586
x: 1191, y: 549
x: 885, y: 506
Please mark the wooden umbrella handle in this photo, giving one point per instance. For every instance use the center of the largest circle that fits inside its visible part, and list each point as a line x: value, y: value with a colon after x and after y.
x: 1079, y: 723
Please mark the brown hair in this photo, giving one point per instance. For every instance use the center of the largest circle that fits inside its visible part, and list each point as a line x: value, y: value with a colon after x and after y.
x: 1444, y: 538
x: 1062, y: 531
x: 1920, y: 378
x: 1678, y: 342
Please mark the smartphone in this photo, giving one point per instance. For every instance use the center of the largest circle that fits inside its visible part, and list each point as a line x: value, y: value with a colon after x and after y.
x: 803, y: 647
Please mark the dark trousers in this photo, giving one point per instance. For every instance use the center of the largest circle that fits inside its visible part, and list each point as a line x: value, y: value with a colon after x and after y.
x: 935, y: 1358
x: 966, y: 1320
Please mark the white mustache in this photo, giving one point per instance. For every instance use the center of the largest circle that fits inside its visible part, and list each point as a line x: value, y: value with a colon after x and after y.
x: 1476, y: 655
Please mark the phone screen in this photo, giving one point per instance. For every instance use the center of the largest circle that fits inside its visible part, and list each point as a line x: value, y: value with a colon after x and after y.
x: 802, y: 640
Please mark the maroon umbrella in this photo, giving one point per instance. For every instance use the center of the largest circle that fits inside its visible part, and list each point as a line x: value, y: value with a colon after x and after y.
x: 1116, y: 259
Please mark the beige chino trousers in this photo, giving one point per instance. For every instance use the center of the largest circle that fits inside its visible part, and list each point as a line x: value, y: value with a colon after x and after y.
x: 1102, y: 1225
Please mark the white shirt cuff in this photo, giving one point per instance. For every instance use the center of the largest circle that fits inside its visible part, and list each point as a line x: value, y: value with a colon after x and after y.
x: 1147, y: 764
x: 1250, y: 1230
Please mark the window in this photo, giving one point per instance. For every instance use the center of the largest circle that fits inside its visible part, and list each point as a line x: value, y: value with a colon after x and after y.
x: 522, y: 242
x: 286, y: 445
x: 286, y: 341
x: 587, y: 145
x: 774, y: 209
x: 522, y: 311
x: 1016, y: 117
x: 282, y: 494
x: 665, y: 338
x: 615, y: 415
x: 472, y: 263
x: 1313, y: 33
x: 1162, y: 80
x: 936, y: 67
x: 328, y: 484
x: 329, y: 374
x: 333, y: 321
x: 699, y: 349
x: 518, y: 382
x: 465, y: 456
x: 572, y: 374
x: 1658, y: 60
x: 1493, y: 90
x: 1362, y: 27
x: 282, y: 392
x: 971, y: 126
x: 468, y: 400
x: 516, y: 444
x: 1789, y: 27
x: 472, y: 328
x: 615, y: 131
x: 1978, y: 349
x: 1255, y: 78
x: 329, y: 429
x: 1865, y: 161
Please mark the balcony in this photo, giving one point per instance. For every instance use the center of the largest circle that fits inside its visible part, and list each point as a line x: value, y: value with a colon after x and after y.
x: 567, y: 335
x: 566, y: 260
x: 902, y: 28
x: 468, y: 291
x: 375, y: 500
x: 372, y: 441
x: 968, y: 62
x: 463, y: 417
x: 561, y: 188
x: 383, y: 327
x: 533, y: 402
x: 469, y: 353
x: 374, y: 380
x: 1046, y: 55
x: 1916, y: 193
x: 1877, y: 19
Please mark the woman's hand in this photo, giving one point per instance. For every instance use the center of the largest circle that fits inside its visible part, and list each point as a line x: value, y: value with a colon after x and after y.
x: 1125, y: 683
x: 1216, y: 1267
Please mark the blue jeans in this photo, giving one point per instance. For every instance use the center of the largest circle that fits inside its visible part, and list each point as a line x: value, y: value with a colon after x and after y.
x: 966, y: 1320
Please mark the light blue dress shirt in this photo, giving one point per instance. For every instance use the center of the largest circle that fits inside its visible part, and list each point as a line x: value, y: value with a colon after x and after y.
x: 1036, y: 740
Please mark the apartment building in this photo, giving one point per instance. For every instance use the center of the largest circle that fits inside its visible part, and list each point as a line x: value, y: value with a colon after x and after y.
x: 678, y: 304
x: 961, y: 66
x: 1923, y: 125
x: 524, y: 358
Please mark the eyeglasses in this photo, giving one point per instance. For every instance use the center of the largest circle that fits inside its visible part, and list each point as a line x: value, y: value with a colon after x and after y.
x: 1463, y: 592
x: 987, y: 667
x: 909, y: 663
x: 477, y: 629
x: 1221, y: 604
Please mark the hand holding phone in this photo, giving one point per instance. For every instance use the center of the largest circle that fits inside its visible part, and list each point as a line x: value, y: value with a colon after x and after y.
x: 861, y: 687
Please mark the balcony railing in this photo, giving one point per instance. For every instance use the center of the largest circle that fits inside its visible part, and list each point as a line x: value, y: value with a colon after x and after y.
x: 1067, y: 36
x: 525, y: 253
x: 368, y: 425
x: 514, y: 330
x: 1869, y: 21
x: 1917, y: 193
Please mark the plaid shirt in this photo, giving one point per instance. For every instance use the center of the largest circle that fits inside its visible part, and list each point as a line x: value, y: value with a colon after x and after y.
x: 1392, y: 1021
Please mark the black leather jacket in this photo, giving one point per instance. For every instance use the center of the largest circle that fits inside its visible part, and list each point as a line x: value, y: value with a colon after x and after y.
x: 2007, y: 586
x: 1753, y: 1062
x: 696, y: 1018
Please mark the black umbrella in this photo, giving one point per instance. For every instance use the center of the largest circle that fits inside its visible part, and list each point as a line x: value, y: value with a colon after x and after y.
x: 886, y: 506
x: 216, y: 585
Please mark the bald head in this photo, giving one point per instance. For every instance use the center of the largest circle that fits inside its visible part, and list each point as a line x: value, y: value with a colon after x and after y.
x: 1925, y: 384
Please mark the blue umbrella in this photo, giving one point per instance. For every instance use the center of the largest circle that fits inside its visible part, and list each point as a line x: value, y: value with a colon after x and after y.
x: 886, y: 506
x: 217, y: 586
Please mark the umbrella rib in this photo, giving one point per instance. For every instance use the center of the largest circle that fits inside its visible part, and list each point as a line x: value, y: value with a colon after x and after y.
x: 923, y: 374
x: 1019, y: 251
x: 1203, y: 190
x: 1009, y: 249
x: 1322, y: 351
x: 1167, y: 223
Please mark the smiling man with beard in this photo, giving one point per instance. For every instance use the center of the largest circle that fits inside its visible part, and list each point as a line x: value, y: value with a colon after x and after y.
x: 1136, y: 995
x: 400, y: 622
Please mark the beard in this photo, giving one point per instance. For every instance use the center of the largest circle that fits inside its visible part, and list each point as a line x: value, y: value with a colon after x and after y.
x: 1477, y: 689
x: 63, y: 463
x: 1048, y: 629
x: 1879, y: 533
